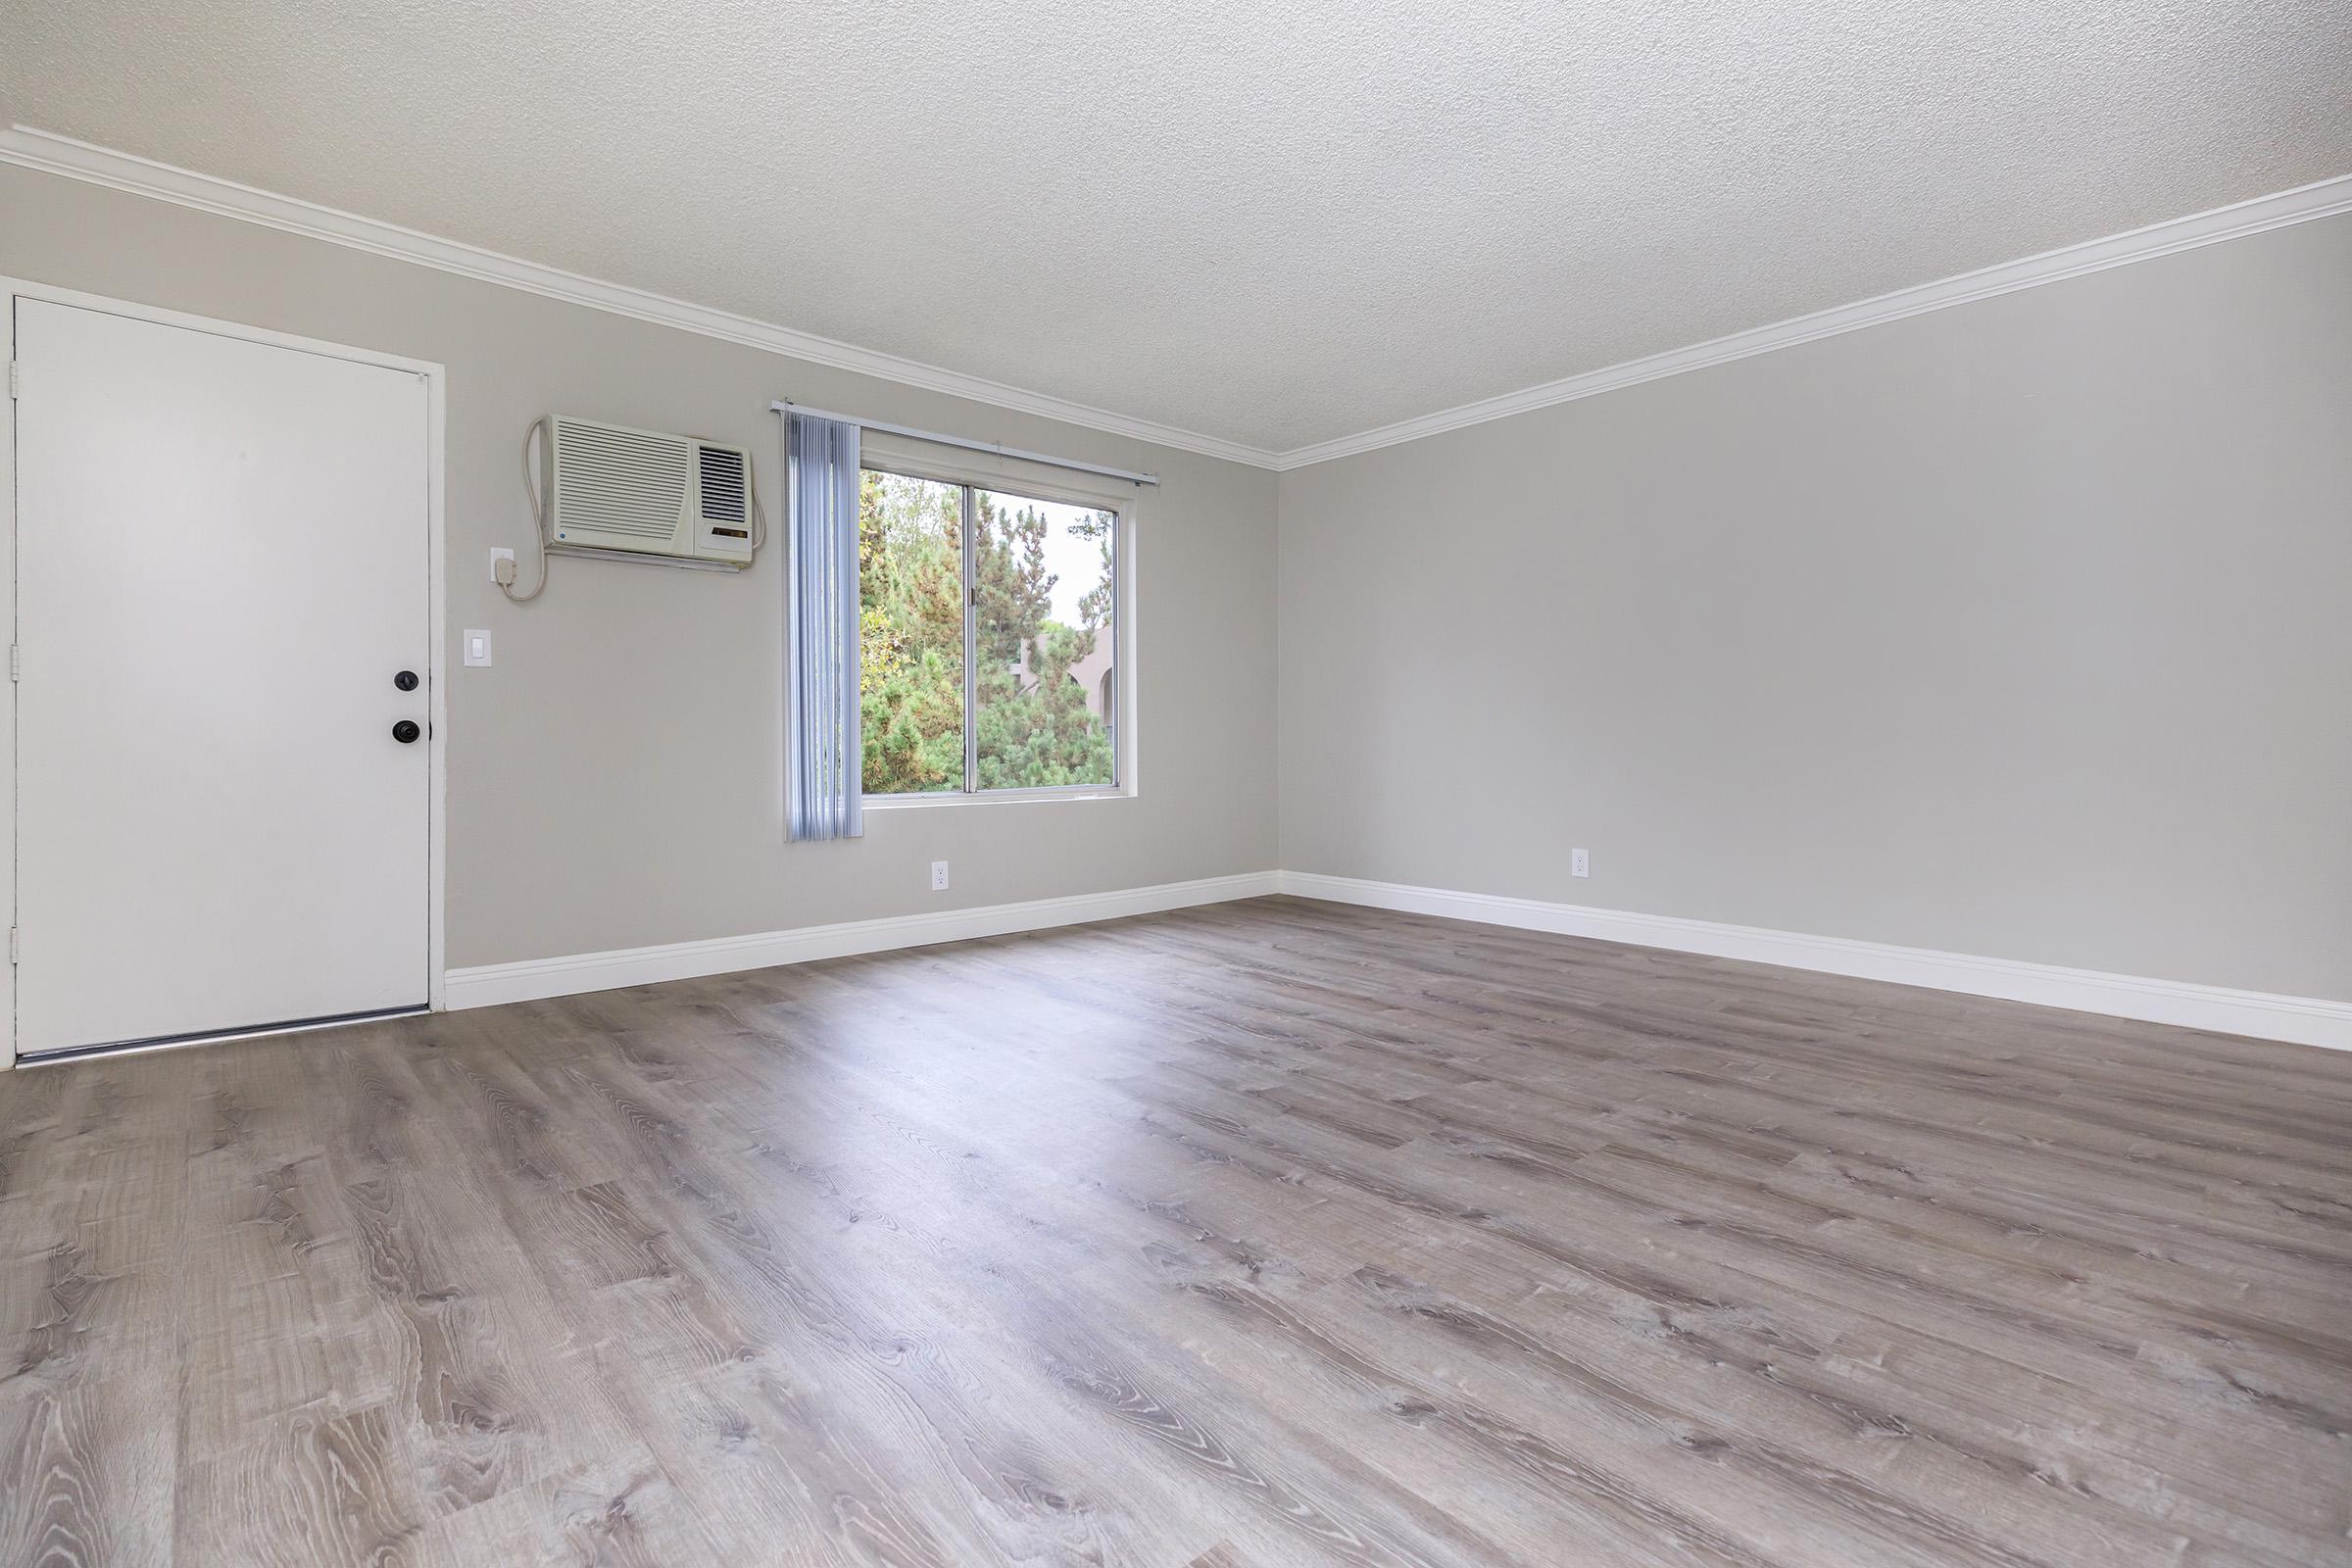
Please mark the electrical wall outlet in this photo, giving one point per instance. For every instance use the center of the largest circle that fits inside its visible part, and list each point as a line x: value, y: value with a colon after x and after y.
x: 938, y: 876
x: 499, y: 553
x: 1580, y: 863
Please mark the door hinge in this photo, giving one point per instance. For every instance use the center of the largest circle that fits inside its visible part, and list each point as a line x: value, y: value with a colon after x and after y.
x: 12, y: 944
x: 15, y: 661
x: 16, y: 379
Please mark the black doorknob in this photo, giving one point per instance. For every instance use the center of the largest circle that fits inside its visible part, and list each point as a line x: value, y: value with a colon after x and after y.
x: 405, y: 680
x: 406, y: 731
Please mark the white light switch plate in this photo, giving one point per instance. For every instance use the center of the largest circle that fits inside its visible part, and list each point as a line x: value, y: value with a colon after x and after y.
x: 477, y: 646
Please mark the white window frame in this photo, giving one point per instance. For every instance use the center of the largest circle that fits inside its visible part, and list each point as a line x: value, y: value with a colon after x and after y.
x: 971, y: 473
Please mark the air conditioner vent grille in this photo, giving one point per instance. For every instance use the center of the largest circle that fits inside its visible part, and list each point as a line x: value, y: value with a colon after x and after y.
x: 722, y: 484
x: 620, y: 482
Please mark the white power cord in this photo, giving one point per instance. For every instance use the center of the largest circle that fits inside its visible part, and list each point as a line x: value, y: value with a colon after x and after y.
x: 504, y: 570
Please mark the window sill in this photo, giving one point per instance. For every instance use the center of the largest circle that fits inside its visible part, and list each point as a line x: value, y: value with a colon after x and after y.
x: 917, y: 802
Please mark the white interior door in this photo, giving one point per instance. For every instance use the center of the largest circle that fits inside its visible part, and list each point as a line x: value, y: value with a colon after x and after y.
x: 223, y: 561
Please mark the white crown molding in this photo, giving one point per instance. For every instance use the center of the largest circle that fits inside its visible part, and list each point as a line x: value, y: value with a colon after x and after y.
x: 2305, y: 1020
x: 49, y: 153
x: 32, y: 148
x: 489, y: 985
x: 2323, y: 199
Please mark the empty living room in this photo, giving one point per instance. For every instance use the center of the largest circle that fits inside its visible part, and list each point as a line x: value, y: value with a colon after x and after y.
x: 1300, y: 785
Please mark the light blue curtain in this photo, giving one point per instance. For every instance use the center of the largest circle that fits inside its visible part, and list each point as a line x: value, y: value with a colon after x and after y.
x: 824, y: 797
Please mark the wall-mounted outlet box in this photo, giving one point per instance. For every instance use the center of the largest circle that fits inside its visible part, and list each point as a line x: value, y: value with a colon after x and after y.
x: 499, y: 553
x: 938, y: 876
x: 1580, y: 863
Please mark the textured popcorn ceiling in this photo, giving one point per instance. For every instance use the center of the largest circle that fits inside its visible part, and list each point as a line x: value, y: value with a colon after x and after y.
x: 1278, y: 221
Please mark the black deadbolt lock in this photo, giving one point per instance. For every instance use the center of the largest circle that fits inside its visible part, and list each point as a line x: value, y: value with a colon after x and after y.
x: 406, y: 731
x: 405, y: 680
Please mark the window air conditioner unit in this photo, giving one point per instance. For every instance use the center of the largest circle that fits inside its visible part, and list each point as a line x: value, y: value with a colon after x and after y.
x: 641, y: 492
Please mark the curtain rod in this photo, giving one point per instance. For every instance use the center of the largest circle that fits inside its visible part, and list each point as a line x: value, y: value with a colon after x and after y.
x: 787, y: 406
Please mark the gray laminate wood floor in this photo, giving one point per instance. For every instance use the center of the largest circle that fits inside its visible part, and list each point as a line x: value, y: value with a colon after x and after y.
x: 1271, y: 1234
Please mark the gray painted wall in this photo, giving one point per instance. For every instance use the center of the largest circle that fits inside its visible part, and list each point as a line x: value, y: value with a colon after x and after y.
x: 2016, y: 630
x: 2020, y: 629
x: 613, y: 780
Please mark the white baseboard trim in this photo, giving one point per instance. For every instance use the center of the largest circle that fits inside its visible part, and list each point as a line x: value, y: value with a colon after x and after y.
x: 2305, y: 1020
x: 531, y: 979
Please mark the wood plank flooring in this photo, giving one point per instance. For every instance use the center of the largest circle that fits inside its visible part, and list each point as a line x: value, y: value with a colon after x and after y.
x: 1260, y: 1235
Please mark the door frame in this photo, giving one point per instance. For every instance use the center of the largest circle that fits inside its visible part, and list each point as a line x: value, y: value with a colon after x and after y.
x: 435, y: 378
